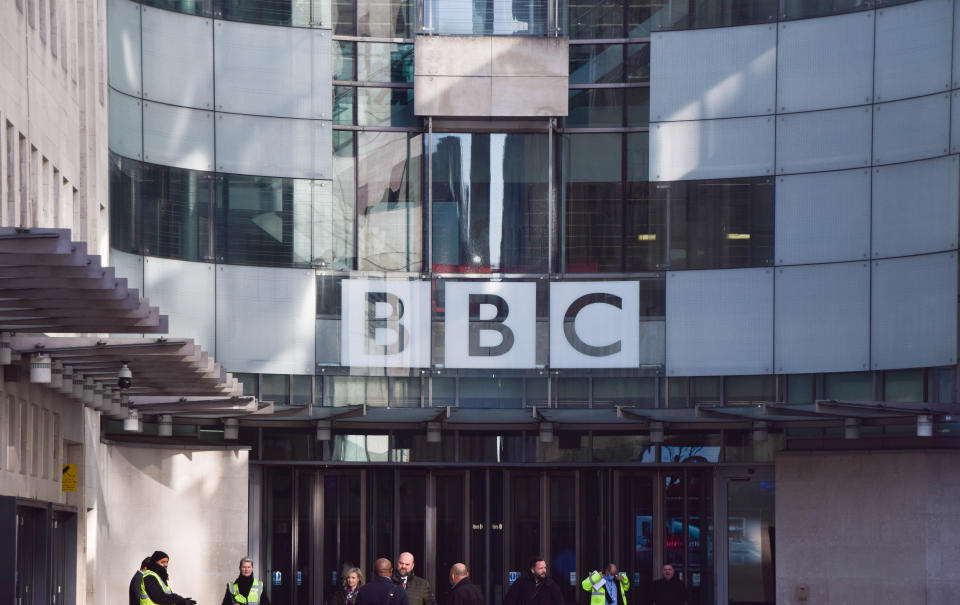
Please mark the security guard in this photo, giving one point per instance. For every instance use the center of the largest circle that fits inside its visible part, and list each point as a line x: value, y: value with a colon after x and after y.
x: 155, y: 583
x: 245, y: 590
x: 609, y: 588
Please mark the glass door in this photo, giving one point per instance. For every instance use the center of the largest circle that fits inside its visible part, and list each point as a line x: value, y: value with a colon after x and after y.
x: 636, y: 534
x: 749, y: 538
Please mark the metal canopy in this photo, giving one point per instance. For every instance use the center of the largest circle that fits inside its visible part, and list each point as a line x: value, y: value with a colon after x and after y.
x: 50, y: 284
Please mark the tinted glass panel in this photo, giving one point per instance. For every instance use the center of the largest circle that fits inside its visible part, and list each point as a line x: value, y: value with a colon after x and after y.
x: 124, y: 204
x: 591, y: 20
x: 177, y: 212
x: 385, y: 19
x: 638, y: 62
x: 275, y: 388
x: 344, y: 18
x: 638, y: 106
x: 595, y: 108
x: 903, y: 385
x: 801, y: 9
x: 301, y: 13
x: 385, y: 107
x: 644, y: 16
x: 190, y: 7
x: 344, y: 103
x: 491, y: 392
x: 344, y: 60
x: 853, y: 386
x: 721, y: 13
x: 750, y: 390
x: 638, y: 392
x: 389, y: 201
x: 490, y: 202
x: 384, y: 62
x: 593, y: 221
x: 344, y: 183
x: 596, y: 63
x: 487, y: 17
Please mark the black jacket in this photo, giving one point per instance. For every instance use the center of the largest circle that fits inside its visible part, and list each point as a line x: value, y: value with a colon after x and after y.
x: 135, y: 588
x: 465, y: 592
x: 418, y: 590
x: 339, y: 597
x: 156, y: 594
x: 668, y: 592
x: 525, y: 591
x: 381, y: 591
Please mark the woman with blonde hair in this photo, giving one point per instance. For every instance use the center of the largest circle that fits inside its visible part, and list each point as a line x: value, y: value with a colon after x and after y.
x: 347, y: 595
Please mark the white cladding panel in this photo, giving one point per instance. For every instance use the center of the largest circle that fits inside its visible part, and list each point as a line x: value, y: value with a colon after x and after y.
x: 915, y: 207
x: 955, y: 120
x: 385, y: 323
x: 266, y: 319
x: 130, y: 267
x: 508, y: 337
x: 177, y: 136
x: 911, y: 130
x: 708, y: 149
x: 914, y: 311
x: 126, y: 125
x: 913, y: 49
x: 177, y: 58
x: 123, y: 46
x: 184, y: 291
x: 599, y: 331
x: 823, y: 217
x: 273, y: 71
x: 719, y: 322
x: 823, y: 140
x: 956, y: 46
x: 822, y: 320
x: 274, y: 146
x: 825, y: 63
x: 713, y: 73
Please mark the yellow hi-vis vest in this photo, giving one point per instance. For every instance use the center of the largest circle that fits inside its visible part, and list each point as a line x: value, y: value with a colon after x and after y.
x: 596, y: 585
x: 144, y: 599
x: 256, y: 589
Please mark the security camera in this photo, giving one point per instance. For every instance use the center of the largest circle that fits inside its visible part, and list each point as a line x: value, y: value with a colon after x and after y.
x: 125, y: 377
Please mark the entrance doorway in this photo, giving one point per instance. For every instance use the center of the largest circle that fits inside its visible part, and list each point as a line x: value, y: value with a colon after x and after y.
x: 748, y: 544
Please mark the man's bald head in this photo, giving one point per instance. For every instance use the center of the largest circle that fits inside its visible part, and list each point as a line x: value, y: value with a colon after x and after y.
x: 458, y: 572
x: 383, y: 567
x: 404, y: 564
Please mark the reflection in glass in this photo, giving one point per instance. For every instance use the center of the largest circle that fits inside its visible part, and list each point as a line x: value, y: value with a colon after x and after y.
x: 405, y: 392
x: 593, y: 223
x: 385, y: 19
x: 361, y: 448
x: 356, y: 390
x: 488, y: 17
x: 491, y: 392
x: 594, y: 20
x: 344, y: 186
x: 344, y: 102
x: 332, y: 228
x: 389, y: 211
x: 385, y: 107
x: 596, y: 63
x: 344, y: 18
x: 803, y: 9
x: 275, y: 388
x: 595, y: 108
x: 750, y: 541
x: 299, y: 13
x: 384, y: 62
x: 638, y: 62
x: 342, y: 518
x: 646, y: 16
x: 344, y: 60
x: 124, y: 204
x: 490, y: 202
x: 190, y: 7
x: 177, y: 212
x: 623, y: 448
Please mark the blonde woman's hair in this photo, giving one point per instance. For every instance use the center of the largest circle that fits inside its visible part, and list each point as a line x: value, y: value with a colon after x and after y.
x: 357, y: 571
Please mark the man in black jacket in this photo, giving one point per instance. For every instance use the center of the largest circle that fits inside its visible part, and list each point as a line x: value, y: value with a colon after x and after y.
x: 463, y: 591
x: 668, y: 590
x: 381, y: 590
x: 534, y: 588
x: 135, y: 582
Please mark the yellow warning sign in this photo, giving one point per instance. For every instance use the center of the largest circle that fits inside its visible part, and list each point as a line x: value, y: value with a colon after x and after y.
x: 69, y: 478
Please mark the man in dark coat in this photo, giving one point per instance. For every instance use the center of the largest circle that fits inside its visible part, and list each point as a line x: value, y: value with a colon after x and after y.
x: 668, y: 590
x: 534, y: 588
x: 418, y: 589
x: 135, y: 582
x: 381, y: 590
x: 463, y: 591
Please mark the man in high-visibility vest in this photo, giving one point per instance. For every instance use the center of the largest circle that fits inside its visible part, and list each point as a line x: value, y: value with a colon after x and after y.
x: 155, y: 586
x: 608, y: 588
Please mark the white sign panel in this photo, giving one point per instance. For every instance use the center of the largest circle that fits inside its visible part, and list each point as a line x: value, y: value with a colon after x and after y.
x: 595, y: 324
x: 490, y: 324
x: 385, y: 323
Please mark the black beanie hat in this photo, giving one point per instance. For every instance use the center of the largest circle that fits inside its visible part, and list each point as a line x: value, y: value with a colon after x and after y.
x: 157, y: 555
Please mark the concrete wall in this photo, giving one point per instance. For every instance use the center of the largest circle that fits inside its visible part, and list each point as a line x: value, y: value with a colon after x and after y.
x: 190, y: 504
x: 868, y: 527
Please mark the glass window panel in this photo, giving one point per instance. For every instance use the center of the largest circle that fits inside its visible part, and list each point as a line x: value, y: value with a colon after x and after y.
x: 487, y: 17
x: 125, y: 179
x: 693, y: 447
x: 262, y: 220
x: 332, y: 227
x: 344, y: 60
x: 344, y: 18
x: 189, y: 7
x: 444, y: 390
x: 646, y: 226
x: 301, y: 390
x: 800, y: 388
x: 638, y: 106
x: 705, y: 390
x: 596, y: 63
x: 853, y: 386
x: 344, y: 102
x: 678, y: 388
x: 722, y: 13
x: 385, y: 107
x: 638, y: 62
x: 177, y: 212
x: 491, y: 392
x: 275, y: 388
x: 405, y: 392
x: 567, y: 446
x: 378, y: 62
x: 593, y: 220
x: 903, y: 385
x: 344, y: 185
x: 941, y: 383
x: 389, y: 201
x: 573, y: 391
x: 536, y: 392
x: 356, y: 390
x: 633, y: 392
x: 803, y: 9
x: 750, y: 390
x: 595, y: 108
x: 623, y: 448
x: 385, y: 18
x: 490, y: 202
x: 300, y: 13
x: 249, y: 382
x: 645, y: 16
x: 599, y: 19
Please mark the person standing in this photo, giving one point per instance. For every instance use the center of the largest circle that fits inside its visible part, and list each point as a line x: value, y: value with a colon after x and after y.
x: 347, y: 595
x: 418, y: 589
x: 382, y: 590
x: 155, y: 583
x: 608, y: 588
x: 534, y: 587
x: 668, y: 590
x: 134, y: 590
x: 463, y: 591
x: 246, y: 588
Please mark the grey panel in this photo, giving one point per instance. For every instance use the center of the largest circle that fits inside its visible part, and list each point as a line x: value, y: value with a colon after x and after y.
x: 823, y: 217
x: 129, y: 266
x: 913, y: 49
x: 825, y: 63
x: 956, y: 46
x: 719, y: 322
x: 914, y: 311
x: 273, y: 71
x: 911, y: 130
x: 185, y: 292
x: 177, y: 58
x: 126, y: 125
x: 177, y: 136
x: 955, y: 121
x: 823, y: 140
x: 915, y: 207
x: 266, y: 319
x: 713, y: 73
x: 822, y: 320
x: 274, y: 146
x: 711, y: 149
x: 123, y: 46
